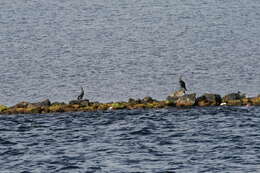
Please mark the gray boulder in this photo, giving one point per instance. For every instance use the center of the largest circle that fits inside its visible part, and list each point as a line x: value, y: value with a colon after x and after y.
x: 233, y: 96
x: 80, y: 102
x: 209, y: 100
x: 186, y: 100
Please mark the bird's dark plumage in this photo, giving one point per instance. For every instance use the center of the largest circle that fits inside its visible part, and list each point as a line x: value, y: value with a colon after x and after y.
x: 80, y: 97
x: 182, y: 84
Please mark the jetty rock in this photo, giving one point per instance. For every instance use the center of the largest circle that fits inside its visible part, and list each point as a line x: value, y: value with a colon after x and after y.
x: 172, y: 99
x: 233, y: 96
x: 209, y: 100
x: 3, y: 108
x: 234, y: 99
x: 186, y: 100
x: 23, y: 104
x: 177, y: 99
x: 178, y: 93
x: 147, y: 99
x: 255, y: 101
x: 80, y: 102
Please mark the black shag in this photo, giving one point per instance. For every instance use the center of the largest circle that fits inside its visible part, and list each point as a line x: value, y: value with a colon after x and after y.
x: 182, y: 84
x: 80, y: 97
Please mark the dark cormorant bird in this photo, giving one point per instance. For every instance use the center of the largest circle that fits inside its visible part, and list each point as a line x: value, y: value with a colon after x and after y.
x: 80, y: 97
x: 182, y: 84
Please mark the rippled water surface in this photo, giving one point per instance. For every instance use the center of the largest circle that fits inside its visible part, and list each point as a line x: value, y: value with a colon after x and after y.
x: 216, y: 139
x: 120, y: 49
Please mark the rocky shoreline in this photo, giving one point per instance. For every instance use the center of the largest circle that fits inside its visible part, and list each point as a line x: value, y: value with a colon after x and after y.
x: 177, y: 99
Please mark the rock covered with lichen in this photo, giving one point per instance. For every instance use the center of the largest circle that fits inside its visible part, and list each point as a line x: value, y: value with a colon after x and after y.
x: 176, y: 99
x: 209, y: 100
x: 186, y: 100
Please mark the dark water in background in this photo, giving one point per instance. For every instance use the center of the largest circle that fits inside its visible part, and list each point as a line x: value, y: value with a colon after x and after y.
x: 120, y: 49
x: 217, y: 139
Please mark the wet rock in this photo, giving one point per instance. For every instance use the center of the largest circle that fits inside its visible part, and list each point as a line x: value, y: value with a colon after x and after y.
x: 209, y: 100
x: 104, y: 106
x: 136, y: 106
x: 246, y: 101
x: 178, y: 93
x: 156, y: 104
x: 234, y: 99
x: 170, y: 103
x: 147, y: 100
x: 44, y: 103
x: 172, y: 99
x: 133, y: 101
x: 186, y: 100
x: 118, y: 105
x: 58, y: 103
x: 33, y: 110
x: 3, y: 108
x: 80, y: 102
x: 56, y: 108
x: 233, y: 96
x: 234, y: 102
x: 21, y: 105
x: 255, y: 101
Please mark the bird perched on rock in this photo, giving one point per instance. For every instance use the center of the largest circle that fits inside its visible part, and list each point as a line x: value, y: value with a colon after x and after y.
x: 182, y: 84
x: 80, y: 97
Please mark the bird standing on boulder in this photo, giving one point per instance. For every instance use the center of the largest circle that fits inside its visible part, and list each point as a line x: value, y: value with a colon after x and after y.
x: 182, y: 84
x: 80, y: 97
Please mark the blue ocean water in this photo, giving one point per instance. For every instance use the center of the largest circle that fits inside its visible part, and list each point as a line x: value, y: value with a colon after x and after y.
x: 216, y: 139
x: 120, y: 49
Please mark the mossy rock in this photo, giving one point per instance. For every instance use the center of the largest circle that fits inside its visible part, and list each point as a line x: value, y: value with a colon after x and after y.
x: 56, y: 108
x: 157, y: 105
x: 209, y: 100
x: 256, y: 101
x: 186, y: 100
x: 234, y: 103
x: 118, y: 105
x: 58, y: 103
x: 137, y: 106
x: 33, y: 110
x: 3, y: 108
x: 104, y: 106
x: 170, y: 103
x: 246, y: 101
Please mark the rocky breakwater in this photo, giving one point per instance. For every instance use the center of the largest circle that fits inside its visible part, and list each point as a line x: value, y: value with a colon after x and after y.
x: 177, y: 99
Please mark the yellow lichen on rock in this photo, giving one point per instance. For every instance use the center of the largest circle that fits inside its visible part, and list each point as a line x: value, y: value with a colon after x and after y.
x: 234, y: 102
x: 118, y: 105
x: 255, y: 101
x: 56, y: 108
x: 3, y: 108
